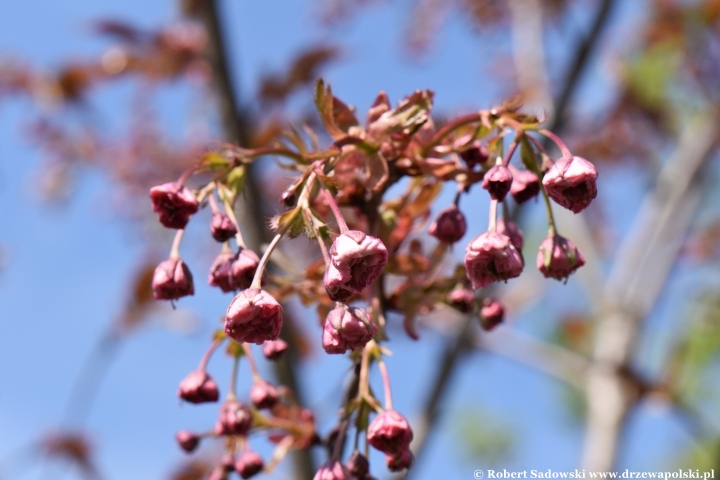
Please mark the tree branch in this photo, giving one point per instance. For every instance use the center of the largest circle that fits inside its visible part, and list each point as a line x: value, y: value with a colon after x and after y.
x: 236, y: 130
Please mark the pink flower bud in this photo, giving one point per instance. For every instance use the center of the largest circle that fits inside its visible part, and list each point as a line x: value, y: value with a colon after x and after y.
x: 390, y: 432
x: 498, y: 181
x: 233, y: 271
x: 263, y: 394
x: 174, y: 204
x: 221, y: 227
x: 558, y: 258
x: 449, y: 226
x: 228, y: 462
x: 475, y: 155
x: 249, y: 464
x: 347, y: 328
x: 461, y: 299
x: 400, y: 461
x: 525, y: 185
x: 234, y: 419
x: 490, y: 258
x: 274, y: 349
x: 572, y: 183
x: 253, y: 316
x: 492, y: 314
x: 512, y: 231
x: 198, y: 387
x: 358, y: 465
x: 172, y: 279
x: 356, y: 261
x: 332, y: 470
x: 187, y: 440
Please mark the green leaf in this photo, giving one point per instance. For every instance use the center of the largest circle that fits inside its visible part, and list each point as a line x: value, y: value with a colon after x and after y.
x: 291, y: 221
x: 214, y: 161
x: 235, y: 180
x: 528, y: 155
x: 325, y: 107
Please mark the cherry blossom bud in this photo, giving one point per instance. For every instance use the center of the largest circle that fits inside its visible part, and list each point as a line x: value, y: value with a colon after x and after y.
x: 475, y: 155
x: 172, y: 279
x: 232, y: 272
x: 198, y: 387
x: 174, y: 204
x: 498, y: 181
x: 461, y: 299
x: 356, y: 261
x: 249, y: 464
x: 491, y: 257
x: 572, y: 183
x: 358, y: 465
x: 492, y: 314
x: 390, y: 432
x: 234, y: 419
x: 400, y: 461
x: 274, y: 349
x: 525, y: 185
x: 221, y: 227
x: 332, y: 470
x: 336, y: 294
x: 558, y: 258
x: 512, y: 231
x: 253, y: 316
x: 187, y: 440
x: 228, y: 462
x: 449, y: 226
x: 263, y: 394
x: 347, y: 328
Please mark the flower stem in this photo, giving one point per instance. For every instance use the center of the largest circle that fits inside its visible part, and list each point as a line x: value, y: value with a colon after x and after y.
x: 548, y: 208
x: 386, y: 385
x: 336, y: 211
x: 175, y: 248
x: 511, y: 150
x: 561, y: 145
x: 448, y: 128
x: 251, y: 361
x: 206, y: 357
x: 492, y: 222
x: 257, y: 279
x: 232, y: 391
x: 231, y: 213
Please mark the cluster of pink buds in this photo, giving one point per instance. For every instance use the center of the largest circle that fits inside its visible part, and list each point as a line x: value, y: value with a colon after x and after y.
x: 343, y: 184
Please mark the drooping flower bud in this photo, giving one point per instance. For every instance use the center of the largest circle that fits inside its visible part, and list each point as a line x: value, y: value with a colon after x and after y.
x: 172, y: 280
x: 491, y: 257
x: 358, y: 465
x: 174, y: 204
x: 198, y: 387
x: 497, y: 181
x: 332, y: 470
x: 234, y: 419
x: 572, y: 183
x: 400, y: 461
x: 263, y: 394
x: 253, y: 316
x: 218, y: 473
x: 474, y: 155
x: 234, y: 271
x: 222, y: 228
x: 274, y: 349
x: 390, y: 432
x: 187, y: 440
x: 356, y: 261
x: 249, y: 464
x: 449, y: 226
x: 512, y: 231
x: 228, y: 462
x: 492, y: 314
x: 347, y: 328
x: 558, y: 257
x: 525, y: 185
x: 461, y: 299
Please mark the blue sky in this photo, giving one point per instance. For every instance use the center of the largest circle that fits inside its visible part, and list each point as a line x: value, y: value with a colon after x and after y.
x: 68, y: 264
